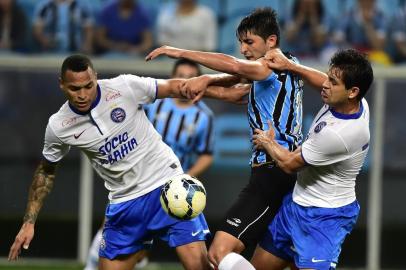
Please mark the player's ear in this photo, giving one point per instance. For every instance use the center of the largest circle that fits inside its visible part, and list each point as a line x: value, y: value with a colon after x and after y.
x: 353, y: 92
x: 60, y: 82
x: 271, y: 41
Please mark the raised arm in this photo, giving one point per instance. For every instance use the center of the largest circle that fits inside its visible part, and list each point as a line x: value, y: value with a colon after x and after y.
x: 252, y: 70
x: 278, y: 61
x: 41, y: 186
x: 233, y: 94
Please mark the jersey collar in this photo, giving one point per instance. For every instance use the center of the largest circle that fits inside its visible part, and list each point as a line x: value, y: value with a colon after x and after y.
x: 348, y: 116
x: 94, y: 103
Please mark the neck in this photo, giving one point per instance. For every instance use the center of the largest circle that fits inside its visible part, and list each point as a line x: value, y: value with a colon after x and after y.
x: 183, y: 103
x: 186, y: 8
x: 347, y: 108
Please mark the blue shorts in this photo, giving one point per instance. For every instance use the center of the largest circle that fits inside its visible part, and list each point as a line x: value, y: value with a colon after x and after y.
x: 131, y: 226
x: 310, y: 236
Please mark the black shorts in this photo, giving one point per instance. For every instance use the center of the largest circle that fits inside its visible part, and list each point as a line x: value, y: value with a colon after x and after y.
x: 258, y: 203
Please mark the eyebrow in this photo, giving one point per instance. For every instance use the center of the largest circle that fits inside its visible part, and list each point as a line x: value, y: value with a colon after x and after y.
x: 77, y: 87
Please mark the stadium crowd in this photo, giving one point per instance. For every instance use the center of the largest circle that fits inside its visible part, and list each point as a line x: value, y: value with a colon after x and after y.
x: 119, y: 28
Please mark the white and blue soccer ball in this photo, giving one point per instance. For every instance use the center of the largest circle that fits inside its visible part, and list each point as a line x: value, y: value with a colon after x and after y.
x: 183, y: 197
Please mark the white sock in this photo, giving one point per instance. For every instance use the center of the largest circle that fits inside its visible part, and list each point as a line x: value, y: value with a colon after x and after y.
x: 92, y: 261
x: 234, y: 261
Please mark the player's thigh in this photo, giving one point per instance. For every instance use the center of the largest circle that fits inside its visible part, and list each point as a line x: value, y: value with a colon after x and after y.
x: 123, y: 262
x: 264, y: 260
x: 193, y: 256
x: 223, y: 244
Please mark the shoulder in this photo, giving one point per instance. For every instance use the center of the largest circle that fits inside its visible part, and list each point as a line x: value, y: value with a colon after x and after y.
x: 63, y: 119
x: 203, y: 10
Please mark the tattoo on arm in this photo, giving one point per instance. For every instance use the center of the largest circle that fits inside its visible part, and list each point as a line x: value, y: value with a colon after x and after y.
x: 41, y: 185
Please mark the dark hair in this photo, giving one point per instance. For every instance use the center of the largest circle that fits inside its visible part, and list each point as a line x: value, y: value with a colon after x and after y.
x: 262, y: 22
x: 183, y: 61
x: 356, y: 70
x: 75, y: 63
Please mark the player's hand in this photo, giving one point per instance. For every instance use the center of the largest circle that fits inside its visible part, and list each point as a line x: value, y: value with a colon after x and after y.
x: 194, y: 88
x: 23, y: 239
x: 164, y: 50
x: 237, y: 94
x: 275, y: 59
x: 262, y: 138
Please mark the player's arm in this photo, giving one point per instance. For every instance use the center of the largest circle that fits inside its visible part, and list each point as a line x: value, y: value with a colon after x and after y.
x: 41, y: 186
x: 289, y: 162
x: 252, y: 70
x: 202, y: 163
x: 276, y: 60
x: 234, y: 94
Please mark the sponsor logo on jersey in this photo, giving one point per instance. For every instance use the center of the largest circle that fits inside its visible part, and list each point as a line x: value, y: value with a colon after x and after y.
x: 76, y: 136
x: 320, y: 126
x: 233, y: 223
x: 117, y: 115
x: 112, y: 94
x: 68, y: 122
x: 117, y: 148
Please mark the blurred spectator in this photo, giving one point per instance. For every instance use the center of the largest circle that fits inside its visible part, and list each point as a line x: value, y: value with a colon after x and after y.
x: 13, y: 25
x: 125, y: 27
x: 363, y: 27
x: 399, y: 35
x: 306, y: 29
x: 63, y: 26
x: 187, y: 25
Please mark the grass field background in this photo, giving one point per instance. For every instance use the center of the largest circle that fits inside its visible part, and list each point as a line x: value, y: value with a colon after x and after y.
x: 70, y: 265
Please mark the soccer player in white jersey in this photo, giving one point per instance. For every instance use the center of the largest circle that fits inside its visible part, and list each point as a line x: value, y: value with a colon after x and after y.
x: 313, y: 222
x: 104, y: 119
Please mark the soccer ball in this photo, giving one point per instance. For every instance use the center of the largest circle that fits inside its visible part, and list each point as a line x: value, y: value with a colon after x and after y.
x: 183, y: 197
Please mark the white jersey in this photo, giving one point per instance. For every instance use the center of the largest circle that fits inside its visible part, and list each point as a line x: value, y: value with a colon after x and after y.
x: 335, y: 150
x: 117, y: 137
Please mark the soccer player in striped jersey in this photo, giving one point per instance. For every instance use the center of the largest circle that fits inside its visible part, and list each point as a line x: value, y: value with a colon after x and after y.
x: 275, y: 96
x: 313, y: 222
x: 105, y: 120
x: 186, y: 127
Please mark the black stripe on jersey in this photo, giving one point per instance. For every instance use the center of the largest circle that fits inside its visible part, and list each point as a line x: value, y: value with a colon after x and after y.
x: 158, y: 109
x: 207, y: 149
x: 166, y: 127
x: 289, y: 123
x: 182, y: 120
x: 197, y: 116
x: 258, y: 122
x: 277, y: 113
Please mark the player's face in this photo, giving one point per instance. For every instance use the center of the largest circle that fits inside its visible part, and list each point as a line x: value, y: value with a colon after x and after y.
x: 185, y: 72
x: 334, y: 92
x: 80, y: 88
x: 252, y: 46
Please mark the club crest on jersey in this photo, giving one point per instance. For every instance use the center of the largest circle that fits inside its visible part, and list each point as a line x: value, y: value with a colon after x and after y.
x: 320, y: 126
x: 117, y: 115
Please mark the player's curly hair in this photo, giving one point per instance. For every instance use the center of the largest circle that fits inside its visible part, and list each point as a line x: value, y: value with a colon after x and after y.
x: 262, y: 22
x: 355, y: 68
x: 76, y: 63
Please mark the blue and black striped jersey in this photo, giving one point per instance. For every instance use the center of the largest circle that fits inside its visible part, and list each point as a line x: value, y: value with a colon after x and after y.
x: 278, y: 98
x: 188, y: 131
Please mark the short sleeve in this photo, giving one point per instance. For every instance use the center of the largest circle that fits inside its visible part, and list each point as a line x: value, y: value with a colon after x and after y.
x: 144, y: 89
x: 54, y: 149
x: 324, y: 148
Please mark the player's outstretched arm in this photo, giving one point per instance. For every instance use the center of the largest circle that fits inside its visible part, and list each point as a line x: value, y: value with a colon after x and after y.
x: 289, y: 162
x: 235, y: 94
x: 252, y: 70
x: 41, y: 185
x: 276, y: 60
x: 194, y: 88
